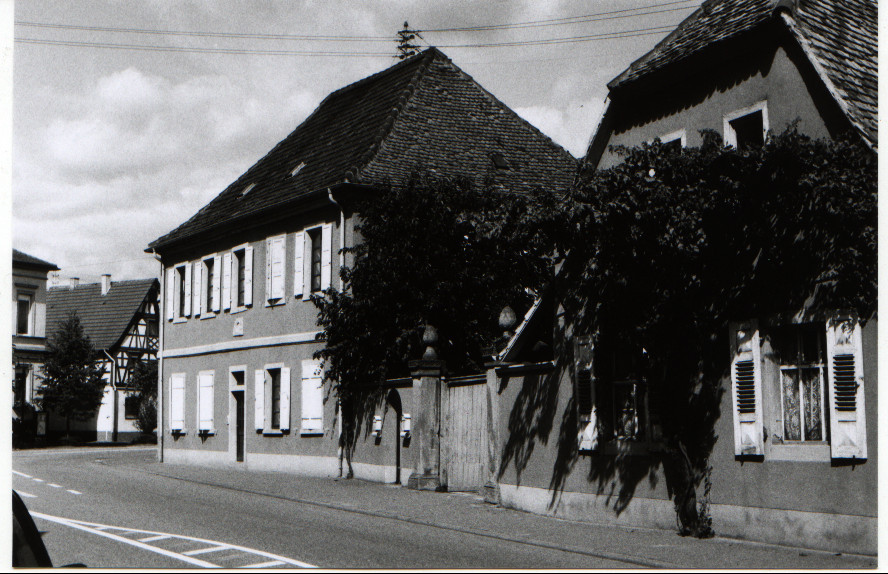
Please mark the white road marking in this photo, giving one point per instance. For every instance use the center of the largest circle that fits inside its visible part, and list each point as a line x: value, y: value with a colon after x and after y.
x: 74, y: 491
x: 99, y: 529
x: 22, y: 474
x: 25, y: 494
x: 37, y: 479
x: 36, y: 453
x: 205, y: 550
x: 55, y: 485
x: 264, y: 564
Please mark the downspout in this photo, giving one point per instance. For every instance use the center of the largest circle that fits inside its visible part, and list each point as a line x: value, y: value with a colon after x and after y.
x: 161, y: 324
x: 341, y: 265
x: 113, y: 374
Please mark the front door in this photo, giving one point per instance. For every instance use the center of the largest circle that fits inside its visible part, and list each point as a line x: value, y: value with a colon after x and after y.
x: 239, y: 425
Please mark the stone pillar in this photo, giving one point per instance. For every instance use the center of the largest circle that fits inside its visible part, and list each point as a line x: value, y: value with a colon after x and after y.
x: 491, y: 490
x: 426, y: 431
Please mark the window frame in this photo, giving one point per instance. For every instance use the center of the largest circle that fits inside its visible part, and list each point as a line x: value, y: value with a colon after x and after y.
x: 284, y: 389
x: 234, y: 277
x: 729, y: 134
x: 181, y: 295
x: 211, y: 430
x: 680, y: 135
x: 207, y: 287
x: 30, y: 297
x: 302, y: 281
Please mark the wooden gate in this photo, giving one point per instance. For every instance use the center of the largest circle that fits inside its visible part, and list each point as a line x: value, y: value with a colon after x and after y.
x: 464, y: 431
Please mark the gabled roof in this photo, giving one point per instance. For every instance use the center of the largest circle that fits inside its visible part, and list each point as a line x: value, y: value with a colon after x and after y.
x: 423, y: 112
x: 104, y: 318
x: 20, y: 259
x: 840, y: 38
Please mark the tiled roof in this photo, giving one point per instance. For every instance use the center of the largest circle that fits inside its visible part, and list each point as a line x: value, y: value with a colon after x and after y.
x: 422, y: 112
x: 26, y: 260
x: 840, y: 37
x: 104, y: 317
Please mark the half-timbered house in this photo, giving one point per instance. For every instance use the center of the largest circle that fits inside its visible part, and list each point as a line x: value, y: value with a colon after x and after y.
x: 121, y: 320
x: 239, y: 381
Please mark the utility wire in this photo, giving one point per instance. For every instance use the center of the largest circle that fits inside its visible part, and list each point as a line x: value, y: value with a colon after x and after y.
x: 568, y: 40
x: 235, y: 51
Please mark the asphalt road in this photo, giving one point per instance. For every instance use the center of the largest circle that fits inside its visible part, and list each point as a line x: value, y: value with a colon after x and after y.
x: 119, y: 508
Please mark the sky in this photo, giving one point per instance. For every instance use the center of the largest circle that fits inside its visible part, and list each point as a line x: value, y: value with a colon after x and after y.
x: 129, y: 116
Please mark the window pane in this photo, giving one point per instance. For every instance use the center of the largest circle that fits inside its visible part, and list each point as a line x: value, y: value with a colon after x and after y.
x: 240, y: 277
x: 275, y: 398
x: 180, y: 277
x: 24, y: 311
x: 749, y: 130
x: 315, y: 260
x: 812, y: 388
x: 625, y: 412
x: 211, y: 281
x: 792, y: 429
x: 810, y: 346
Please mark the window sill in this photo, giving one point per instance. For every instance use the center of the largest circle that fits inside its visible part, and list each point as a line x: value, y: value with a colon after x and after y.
x: 311, y: 432
x: 235, y: 310
x: 207, y: 316
x: 276, y: 302
x: 272, y: 433
x: 625, y: 447
x: 812, y: 452
x: 180, y: 320
x: 178, y: 432
x: 206, y: 432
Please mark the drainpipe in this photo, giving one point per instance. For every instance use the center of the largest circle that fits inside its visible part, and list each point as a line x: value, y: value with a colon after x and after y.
x: 341, y: 233
x: 113, y: 395
x: 161, y: 324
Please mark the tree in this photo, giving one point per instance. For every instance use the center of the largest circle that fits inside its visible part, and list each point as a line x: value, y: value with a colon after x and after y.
x: 72, y: 378
x: 406, y: 48
x: 668, y: 247
x: 144, y: 381
x: 438, y: 253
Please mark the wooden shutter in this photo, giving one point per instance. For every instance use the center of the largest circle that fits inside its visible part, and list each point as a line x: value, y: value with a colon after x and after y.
x: 205, y: 401
x: 746, y: 390
x: 306, y: 249
x: 326, y: 255
x: 275, y: 250
x: 186, y: 270
x: 299, y: 254
x: 177, y: 294
x: 285, y: 398
x: 177, y: 402
x: 259, y: 409
x: 405, y: 424
x: 248, y: 276
x: 269, y: 257
x: 216, y: 283
x: 196, y: 287
x: 312, y: 397
x: 844, y: 352
x: 226, y: 281
x: 170, y: 293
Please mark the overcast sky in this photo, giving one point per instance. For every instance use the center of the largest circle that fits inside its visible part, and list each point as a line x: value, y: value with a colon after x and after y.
x: 115, y: 145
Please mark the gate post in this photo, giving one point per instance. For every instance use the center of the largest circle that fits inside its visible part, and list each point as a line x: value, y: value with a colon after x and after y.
x: 426, y: 374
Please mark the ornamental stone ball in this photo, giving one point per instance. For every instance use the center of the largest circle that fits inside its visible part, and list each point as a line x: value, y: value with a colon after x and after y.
x: 429, y: 338
x: 507, y: 320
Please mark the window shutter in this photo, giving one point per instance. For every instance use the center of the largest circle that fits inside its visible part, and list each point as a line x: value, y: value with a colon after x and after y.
x: 170, y: 293
x: 259, y: 411
x: 285, y: 398
x: 844, y: 351
x: 187, y: 272
x: 306, y: 277
x: 177, y: 294
x: 205, y: 401
x: 585, y: 393
x: 215, y: 282
x: 226, y: 281
x: 299, y: 253
x: 248, y: 276
x: 312, y: 397
x: 177, y: 402
x: 746, y: 390
x: 405, y: 424
x: 326, y: 255
x: 197, y: 283
x: 269, y: 256
x: 278, y: 266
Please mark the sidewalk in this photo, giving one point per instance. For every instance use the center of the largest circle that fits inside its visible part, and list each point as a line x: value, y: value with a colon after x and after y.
x: 636, y: 547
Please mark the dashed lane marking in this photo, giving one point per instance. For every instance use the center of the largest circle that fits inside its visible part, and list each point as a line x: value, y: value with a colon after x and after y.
x: 209, y: 546
x: 53, y: 485
x: 26, y: 494
x: 74, y: 491
x: 22, y: 474
x: 37, y: 479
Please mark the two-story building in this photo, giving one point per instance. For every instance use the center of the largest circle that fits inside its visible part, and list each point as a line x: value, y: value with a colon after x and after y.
x: 239, y: 381
x: 795, y: 453
x: 29, y: 276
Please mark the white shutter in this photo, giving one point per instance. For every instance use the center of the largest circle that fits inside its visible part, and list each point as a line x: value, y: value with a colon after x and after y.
x: 259, y: 410
x: 169, y: 295
x: 405, y: 424
x: 312, y: 397
x: 205, y: 401
x: 248, y: 276
x: 279, y: 249
x: 306, y: 266
x: 215, y: 282
x: 285, y: 398
x: 226, y: 281
x: 196, y: 287
x: 186, y: 270
x: 746, y: 390
x: 299, y: 253
x: 588, y: 437
x: 326, y: 255
x: 269, y: 257
x: 844, y: 351
x: 177, y: 401
x: 177, y: 294
x: 377, y: 426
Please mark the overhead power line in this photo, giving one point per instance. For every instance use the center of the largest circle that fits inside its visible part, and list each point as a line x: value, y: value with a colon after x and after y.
x: 235, y: 51
x: 568, y: 40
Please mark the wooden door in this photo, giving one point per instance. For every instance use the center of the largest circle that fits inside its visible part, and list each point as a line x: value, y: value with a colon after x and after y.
x: 465, y: 436
x: 240, y: 426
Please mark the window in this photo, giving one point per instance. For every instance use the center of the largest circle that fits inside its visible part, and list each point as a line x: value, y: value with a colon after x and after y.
x: 181, y: 294
x: 24, y: 323
x: 313, y: 260
x: 804, y: 383
x: 272, y: 399
x: 237, y: 279
x: 208, y: 287
x: 131, y: 407
x: 178, y: 292
x: 205, y: 399
x: 177, y: 403
x: 674, y: 141
x: 275, y: 259
x: 21, y: 384
x: 312, y: 398
x: 585, y: 394
x: 747, y: 128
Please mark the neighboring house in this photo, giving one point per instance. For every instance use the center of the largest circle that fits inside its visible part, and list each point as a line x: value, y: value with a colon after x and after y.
x: 785, y: 469
x: 29, y: 276
x: 239, y: 381
x: 121, y: 320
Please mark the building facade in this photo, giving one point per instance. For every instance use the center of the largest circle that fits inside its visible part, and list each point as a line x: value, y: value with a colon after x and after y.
x: 240, y: 384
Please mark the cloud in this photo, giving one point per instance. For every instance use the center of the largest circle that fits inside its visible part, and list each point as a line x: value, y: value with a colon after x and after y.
x: 571, y: 127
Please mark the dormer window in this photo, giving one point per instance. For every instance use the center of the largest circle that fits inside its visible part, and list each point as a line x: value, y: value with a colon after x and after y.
x: 297, y: 169
x: 499, y: 162
x: 247, y: 190
x: 747, y: 128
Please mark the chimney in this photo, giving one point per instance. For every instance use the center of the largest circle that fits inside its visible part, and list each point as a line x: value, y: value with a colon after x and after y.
x: 106, y: 283
x: 74, y: 281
